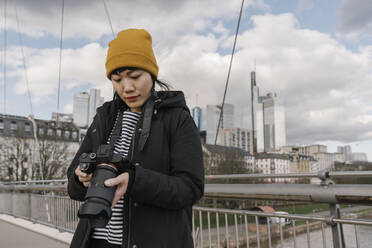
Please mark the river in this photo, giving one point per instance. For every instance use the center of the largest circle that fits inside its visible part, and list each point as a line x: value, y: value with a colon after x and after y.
x: 316, y: 240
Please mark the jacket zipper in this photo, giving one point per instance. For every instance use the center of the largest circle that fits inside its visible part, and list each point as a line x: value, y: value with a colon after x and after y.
x: 130, y: 202
x: 100, y: 127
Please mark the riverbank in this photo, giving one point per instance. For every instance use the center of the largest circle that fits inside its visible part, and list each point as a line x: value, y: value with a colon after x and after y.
x: 299, y: 227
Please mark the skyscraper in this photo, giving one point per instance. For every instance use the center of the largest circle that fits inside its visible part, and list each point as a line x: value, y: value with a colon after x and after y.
x: 268, y: 120
x: 80, y: 109
x: 95, y: 101
x: 197, y: 116
x: 346, y: 151
x: 85, y: 105
x: 212, y: 118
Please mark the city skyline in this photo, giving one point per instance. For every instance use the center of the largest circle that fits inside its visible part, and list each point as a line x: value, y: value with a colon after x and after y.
x: 315, y: 54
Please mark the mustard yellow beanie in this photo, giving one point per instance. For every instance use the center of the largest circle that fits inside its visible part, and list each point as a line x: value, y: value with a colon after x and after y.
x: 131, y: 48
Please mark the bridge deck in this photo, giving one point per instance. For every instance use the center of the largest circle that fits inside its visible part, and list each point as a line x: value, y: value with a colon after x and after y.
x: 12, y: 236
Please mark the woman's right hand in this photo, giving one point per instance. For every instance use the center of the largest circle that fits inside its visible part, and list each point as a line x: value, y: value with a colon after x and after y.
x: 83, y: 177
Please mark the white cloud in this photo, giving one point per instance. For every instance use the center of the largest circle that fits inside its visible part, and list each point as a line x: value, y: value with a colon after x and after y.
x: 356, y: 19
x: 325, y: 86
x: 87, y: 19
x: 68, y: 108
x: 82, y: 66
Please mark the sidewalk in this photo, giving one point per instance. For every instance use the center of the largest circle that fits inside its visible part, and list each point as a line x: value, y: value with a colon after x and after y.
x: 18, y: 233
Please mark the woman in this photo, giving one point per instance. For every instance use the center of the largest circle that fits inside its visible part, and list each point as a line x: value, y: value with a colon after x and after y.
x: 152, y: 206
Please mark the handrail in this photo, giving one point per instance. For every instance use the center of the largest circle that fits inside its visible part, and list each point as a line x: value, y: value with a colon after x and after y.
x: 332, y: 193
x: 321, y: 174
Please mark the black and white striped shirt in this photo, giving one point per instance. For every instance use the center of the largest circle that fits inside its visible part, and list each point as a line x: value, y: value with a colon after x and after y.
x: 113, y: 232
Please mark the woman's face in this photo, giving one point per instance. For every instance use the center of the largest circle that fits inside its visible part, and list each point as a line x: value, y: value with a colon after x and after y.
x: 133, y: 86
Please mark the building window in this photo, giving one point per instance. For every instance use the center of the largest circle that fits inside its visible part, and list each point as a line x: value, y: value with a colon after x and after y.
x: 13, y: 125
x: 1, y: 124
x: 67, y: 134
x: 74, y: 135
x: 59, y: 132
x: 27, y: 127
x: 50, y: 132
x: 41, y: 131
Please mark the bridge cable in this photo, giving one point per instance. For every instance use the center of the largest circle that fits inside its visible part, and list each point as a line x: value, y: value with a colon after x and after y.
x: 60, y: 60
x: 109, y: 19
x: 24, y: 59
x: 4, y: 60
x: 228, y: 74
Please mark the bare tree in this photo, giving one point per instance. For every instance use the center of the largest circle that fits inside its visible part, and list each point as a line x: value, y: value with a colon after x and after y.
x: 52, y: 160
x: 21, y: 160
x: 15, y: 158
x: 231, y: 162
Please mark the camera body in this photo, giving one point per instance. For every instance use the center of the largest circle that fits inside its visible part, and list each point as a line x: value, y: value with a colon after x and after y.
x: 104, y: 164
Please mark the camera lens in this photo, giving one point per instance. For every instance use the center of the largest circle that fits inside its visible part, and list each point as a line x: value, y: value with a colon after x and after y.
x: 84, y: 167
x: 98, y: 198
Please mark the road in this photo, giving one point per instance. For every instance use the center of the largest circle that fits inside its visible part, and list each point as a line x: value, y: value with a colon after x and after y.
x: 12, y: 236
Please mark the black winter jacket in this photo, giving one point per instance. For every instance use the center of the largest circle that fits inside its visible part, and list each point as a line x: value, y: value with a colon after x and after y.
x: 167, y: 179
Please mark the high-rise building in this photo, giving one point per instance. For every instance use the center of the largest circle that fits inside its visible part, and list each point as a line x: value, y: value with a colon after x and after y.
x: 212, y: 118
x: 85, y: 106
x: 270, y: 123
x: 197, y: 116
x: 239, y: 138
x: 80, y: 109
x: 268, y: 119
x: 346, y: 150
x: 95, y: 101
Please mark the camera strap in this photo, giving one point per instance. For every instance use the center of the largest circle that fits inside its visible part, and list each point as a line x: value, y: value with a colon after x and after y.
x: 116, y: 130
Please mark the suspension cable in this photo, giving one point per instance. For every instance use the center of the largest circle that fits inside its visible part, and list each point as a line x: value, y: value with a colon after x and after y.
x: 60, y: 59
x: 109, y: 19
x: 4, y: 60
x: 228, y: 74
x: 23, y: 58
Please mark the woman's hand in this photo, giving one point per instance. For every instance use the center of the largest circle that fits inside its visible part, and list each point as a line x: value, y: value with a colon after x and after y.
x: 83, y: 177
x: 121, y: 182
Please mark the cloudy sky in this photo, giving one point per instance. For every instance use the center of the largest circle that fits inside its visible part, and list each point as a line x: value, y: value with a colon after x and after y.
x: 316, y: 55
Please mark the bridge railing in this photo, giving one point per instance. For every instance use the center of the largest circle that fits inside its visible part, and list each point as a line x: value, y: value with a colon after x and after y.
x: 46, y: 202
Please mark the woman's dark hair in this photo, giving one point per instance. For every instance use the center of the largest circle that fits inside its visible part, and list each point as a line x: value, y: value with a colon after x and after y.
x: 162, y: 85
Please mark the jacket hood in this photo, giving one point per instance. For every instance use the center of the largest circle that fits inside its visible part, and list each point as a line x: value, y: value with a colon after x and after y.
x: 158, y: 100
x: 171, y: 99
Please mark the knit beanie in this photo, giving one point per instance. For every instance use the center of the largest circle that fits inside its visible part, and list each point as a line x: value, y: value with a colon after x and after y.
x: 131, y: 48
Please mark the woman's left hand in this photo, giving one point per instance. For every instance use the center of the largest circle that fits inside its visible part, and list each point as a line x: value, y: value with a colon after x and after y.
x: 121, y: 182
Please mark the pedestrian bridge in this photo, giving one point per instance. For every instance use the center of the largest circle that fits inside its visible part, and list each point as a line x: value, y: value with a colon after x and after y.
x: 44, y: 205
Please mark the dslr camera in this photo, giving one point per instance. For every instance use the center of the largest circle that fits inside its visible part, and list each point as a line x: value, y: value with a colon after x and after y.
x: 104, y: 164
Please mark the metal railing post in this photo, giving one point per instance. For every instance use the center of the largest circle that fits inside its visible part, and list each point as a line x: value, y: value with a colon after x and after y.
x: 29, y: 202
x: 335, y: 234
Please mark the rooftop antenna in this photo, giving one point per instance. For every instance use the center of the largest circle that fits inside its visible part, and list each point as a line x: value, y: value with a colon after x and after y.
x: 60, y: 61
x: 5, y: 47
x: 253, y: 86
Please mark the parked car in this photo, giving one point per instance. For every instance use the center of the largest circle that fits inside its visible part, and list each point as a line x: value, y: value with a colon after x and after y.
x: 281, y: 220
